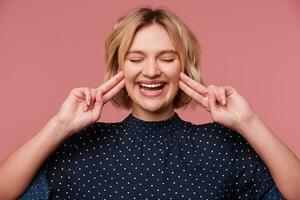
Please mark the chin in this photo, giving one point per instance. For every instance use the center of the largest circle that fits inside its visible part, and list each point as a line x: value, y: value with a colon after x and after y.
x: 152, y: 104
x: 152, y: 107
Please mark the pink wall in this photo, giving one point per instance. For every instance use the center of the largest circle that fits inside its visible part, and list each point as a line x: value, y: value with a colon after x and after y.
x: 49, y: 47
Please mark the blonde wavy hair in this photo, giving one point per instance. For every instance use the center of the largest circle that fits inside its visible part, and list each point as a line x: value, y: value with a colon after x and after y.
x: 121, y: 37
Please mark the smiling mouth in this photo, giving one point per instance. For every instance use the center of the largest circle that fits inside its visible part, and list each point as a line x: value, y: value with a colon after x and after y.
x: 152, y: 89
x: 155, y: 86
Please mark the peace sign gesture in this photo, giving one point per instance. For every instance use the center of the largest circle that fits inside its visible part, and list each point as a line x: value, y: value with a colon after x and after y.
x: 224, y: 103
x: 83, y: 106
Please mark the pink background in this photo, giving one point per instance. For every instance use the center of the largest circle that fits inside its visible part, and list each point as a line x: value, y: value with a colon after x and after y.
x: 49, y: 47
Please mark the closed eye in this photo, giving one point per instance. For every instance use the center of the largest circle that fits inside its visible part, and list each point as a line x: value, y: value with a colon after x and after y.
x: 168, y: 60
x: 135, y: 60
x: 140, y: 60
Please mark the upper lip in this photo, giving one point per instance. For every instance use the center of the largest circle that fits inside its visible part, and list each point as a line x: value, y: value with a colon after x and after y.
x: 151, y: 82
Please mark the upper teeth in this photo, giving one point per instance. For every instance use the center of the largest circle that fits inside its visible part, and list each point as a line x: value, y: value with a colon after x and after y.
x: 151, y: 85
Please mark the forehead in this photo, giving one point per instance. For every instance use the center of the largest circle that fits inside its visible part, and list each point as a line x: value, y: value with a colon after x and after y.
x: 151, y: 38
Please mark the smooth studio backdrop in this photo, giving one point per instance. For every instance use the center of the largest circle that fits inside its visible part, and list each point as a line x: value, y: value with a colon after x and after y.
x: 48, y: 48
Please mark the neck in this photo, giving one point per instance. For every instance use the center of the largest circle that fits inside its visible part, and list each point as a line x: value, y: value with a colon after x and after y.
x: 153, y: 116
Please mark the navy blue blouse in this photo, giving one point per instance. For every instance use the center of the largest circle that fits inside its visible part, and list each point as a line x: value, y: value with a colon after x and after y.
x: 169, y: 159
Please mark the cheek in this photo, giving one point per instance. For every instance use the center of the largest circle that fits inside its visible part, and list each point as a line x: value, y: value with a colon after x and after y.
x: 126, y: 70
x: 173, y: 73
x: 131, y: 69
x: 130, y: 74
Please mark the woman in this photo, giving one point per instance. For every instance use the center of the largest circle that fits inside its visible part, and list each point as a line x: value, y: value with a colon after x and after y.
x: 152, y: 60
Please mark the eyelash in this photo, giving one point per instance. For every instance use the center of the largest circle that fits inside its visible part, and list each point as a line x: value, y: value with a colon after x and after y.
x: 164, y: 60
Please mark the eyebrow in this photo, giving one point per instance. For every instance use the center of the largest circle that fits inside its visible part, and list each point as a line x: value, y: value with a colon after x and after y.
x: 160, y: 52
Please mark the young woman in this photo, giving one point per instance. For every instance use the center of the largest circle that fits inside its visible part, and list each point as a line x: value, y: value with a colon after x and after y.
x: 152, y: 68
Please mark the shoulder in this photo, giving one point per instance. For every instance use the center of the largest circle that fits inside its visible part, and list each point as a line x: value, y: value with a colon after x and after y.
x: 213, y: 131
x: 83, y: 141
x: 94, y: 131
x: 100, y: 128
x: 218, y: 136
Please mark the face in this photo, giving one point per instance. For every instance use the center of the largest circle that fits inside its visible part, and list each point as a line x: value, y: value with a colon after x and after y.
x: 151, y: 72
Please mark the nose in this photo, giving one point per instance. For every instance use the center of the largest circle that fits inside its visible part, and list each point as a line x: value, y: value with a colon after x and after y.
x: 151, y: 69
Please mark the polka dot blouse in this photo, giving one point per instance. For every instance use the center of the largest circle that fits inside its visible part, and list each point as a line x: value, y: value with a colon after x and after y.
x: 169, y: 159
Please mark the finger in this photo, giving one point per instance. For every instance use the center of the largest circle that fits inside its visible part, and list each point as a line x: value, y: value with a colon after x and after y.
x: 77, y: 92
x: 80, y: 93
x: 87, y: 94
x: 89, y: 97
x: 94, y: 93
x: 98, y: 105
x: 192, y: 93
x: 221, y: 92
x: 113, y: 91
x: 229, y: 90
x: 193, y: 84
x: 99, y: 97
x: 93, y: 99
x: 212, y: 102
x: 215, y: 90
x: 106, y: 86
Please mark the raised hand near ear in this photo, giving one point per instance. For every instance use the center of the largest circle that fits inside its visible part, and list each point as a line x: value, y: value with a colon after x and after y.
x: 83, y: 106
x: 224, y: 103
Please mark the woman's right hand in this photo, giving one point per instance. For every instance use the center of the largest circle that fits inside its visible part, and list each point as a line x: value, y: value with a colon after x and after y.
x: 19, y: 169
x: 83, y: 106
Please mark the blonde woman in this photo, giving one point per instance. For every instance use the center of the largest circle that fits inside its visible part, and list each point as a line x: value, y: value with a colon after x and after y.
x: 152, y: 69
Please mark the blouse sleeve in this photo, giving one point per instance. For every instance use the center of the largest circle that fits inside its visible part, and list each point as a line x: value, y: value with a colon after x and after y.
x: 252, y: 178
x: 38, y: 190
x: 272, y: 194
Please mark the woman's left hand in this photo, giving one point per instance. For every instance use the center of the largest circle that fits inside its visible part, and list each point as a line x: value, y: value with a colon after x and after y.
x: 224, y: 103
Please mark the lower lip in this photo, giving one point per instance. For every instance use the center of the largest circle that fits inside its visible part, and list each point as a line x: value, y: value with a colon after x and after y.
x: 151, y: 93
